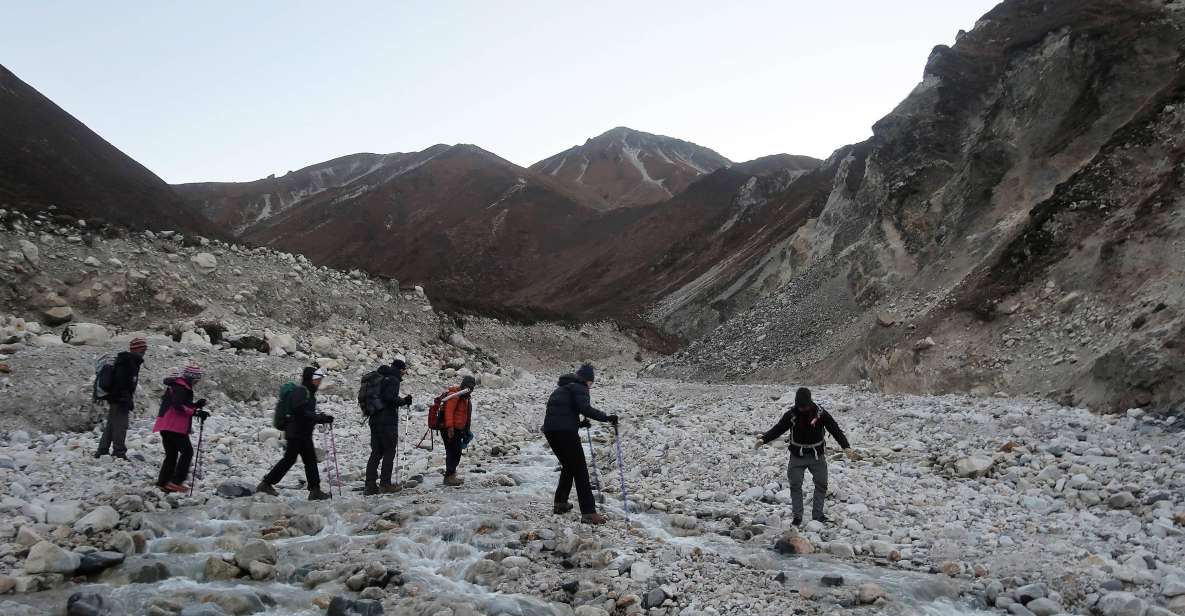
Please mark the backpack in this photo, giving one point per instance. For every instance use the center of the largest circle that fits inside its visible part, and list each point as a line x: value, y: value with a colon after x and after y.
x: 451, y: 414
x: 436, y: 412
x: 280, y: 414
x: 370, y: 394
x: 166, y: 399
x: 104, y: 376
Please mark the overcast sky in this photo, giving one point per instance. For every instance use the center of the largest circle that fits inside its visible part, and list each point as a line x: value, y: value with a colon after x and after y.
x: 239, y: 90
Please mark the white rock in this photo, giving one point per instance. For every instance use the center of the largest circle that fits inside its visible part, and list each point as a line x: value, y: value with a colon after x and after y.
x: 46, y: 557
x: 194, y: 339
x: 205, y: 262
x: 65, y: 512
x: 324, y: 345
x: 80, y: 334
x: 103, y: 518
x: 641, y: 571
x: 973, y: 466
x: 31, y: 253
x: 280, y: 344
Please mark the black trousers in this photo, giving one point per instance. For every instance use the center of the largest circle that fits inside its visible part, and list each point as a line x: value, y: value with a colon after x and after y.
x: 452, y: 450
x: 384, y: 442
x: 178, y: 455
x: 298, y: 446
x: 115, y: 431
x: 570, y: 452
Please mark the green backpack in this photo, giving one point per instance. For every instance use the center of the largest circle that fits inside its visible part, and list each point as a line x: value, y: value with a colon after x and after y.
x: 280, y: 415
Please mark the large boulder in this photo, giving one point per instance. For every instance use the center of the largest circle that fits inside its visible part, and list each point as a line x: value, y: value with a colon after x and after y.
x: 101, y: 519
x: 326, y: 346
x: 98, y: 561
x: 46, y: 557
x: 280, y: 344
x: 86, y: 334
x: 255, y: 550
x: 63, y: 512
x: 30, y: 252
x: 57, y: 315
x: 194, y: 339
x: 1121, y: 604
x: 205, y: 262
x: 973, y: 466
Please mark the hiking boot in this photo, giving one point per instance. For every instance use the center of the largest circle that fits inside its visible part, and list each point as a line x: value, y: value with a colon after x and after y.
x: 389, y: 488
x: 593, y: 518
x: 561, y: 508
x: 822, y: 519
x: 176, y: 487
x: 796, y: 522
x: 121, y: 456
x: 453, y: 480
x: 370, y: 490
x: 266, y: 488
x: 318, y: 495
x: 99, y: 454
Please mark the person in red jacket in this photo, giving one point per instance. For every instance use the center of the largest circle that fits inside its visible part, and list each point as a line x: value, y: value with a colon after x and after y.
x: 174, y: 421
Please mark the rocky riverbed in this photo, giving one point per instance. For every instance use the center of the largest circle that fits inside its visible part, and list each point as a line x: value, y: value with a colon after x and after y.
x: 958, y: 505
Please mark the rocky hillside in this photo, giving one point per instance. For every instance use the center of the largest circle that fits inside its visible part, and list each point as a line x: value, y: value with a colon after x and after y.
x: 1014, y: 225
x: 627, y: 168
x: 49, y: 158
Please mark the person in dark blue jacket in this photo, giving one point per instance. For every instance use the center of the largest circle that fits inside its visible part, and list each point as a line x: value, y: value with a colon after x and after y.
x: 567, y: 405
x: 298, y: 434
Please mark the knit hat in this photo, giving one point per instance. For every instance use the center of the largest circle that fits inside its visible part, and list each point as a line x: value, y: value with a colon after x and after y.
x: 468, y: 382
x: 399, y: 363
x: 585, y: 373
x: 193, y: 372
x: 138, y: 345
x: 802, y: 397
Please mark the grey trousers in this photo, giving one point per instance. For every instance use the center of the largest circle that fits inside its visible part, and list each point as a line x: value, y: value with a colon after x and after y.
x: 115, y: 433
x: 795, y: 470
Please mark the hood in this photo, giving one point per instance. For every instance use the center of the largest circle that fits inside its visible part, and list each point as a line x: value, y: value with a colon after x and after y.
x: 568, y: 379
x: 390, y: 372
x: 130, y: 356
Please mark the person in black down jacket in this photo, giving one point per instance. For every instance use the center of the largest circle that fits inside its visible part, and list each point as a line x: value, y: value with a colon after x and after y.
x: 298, y: 432
x: 806, y: 422
x: 561, y: 426
x: 121, y: 399
x: 384, y: 430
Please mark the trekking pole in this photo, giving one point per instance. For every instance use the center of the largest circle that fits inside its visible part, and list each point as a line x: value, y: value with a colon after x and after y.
x: 398, y: 461
x: 197, y: 463
x: 596, y: 473
x: 336, y: 468
x: 621, y: 472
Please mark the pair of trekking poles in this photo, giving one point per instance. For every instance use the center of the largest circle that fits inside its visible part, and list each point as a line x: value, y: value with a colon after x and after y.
x: 625, y: 505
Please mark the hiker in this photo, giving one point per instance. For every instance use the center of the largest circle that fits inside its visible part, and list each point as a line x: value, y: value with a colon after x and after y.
x: 384, y: 424
x: 174, y: 421
x: 456, y: 413
x: 806, y: 421
x: 121, y: 399
x: 300, y: 420
x: 561, y: 427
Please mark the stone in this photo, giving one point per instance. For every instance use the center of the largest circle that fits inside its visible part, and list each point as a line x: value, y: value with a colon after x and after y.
x: 30, y: 251
x: 46, y: 557
x: 234, y: 488
x: 7, y: 583
x: 63, y: 512
x: 1121, y: 500
x: 1172, y: 586
x: 205, y: 262
x: 308, y: 523
x: 653, y: 598
x: 590, y: 610
x: 641, y: 571
x: 924, y: 344
x: 218, y: 569
x: 236, y: 601
x: 1121, y: 604
x: 27, y: 537
x: 193, y: 339
x: 1029, y: 592
x: 151, y: 573
x: 341, y: 606
x: 886, y: 319
x: 973, y: 466
x: 280, y: 344
x: 326, y: 346
x: 1044, y: 606
x: 203, y: 609
x: 832, y: 579
x: 261, y: 571
x: 86, y: 334
x: 101, y: 519
x: 869, y: 593
x: 57, y: 315
x: 841, y: 549
x: 98, y: 561
x: 1067, y: 303
x: 122, y: 542
x: 792, y: 543
x: 87, y: 604
x: 255, y: 550
x: 458, y: 340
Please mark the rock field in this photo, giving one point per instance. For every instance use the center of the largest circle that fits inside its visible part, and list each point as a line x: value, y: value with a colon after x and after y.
x: 957, y: 504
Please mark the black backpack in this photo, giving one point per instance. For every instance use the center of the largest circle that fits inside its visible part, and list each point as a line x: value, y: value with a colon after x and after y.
x: 370, y: 394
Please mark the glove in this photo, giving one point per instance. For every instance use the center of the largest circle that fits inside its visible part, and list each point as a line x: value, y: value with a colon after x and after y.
x: 613, y: 419
x: 851, y: 454
x: 201, y: 415
x: 407, y: 400
x: 585, y: 424
x: 200, y: 403
x: 327, y: 419
x: 467, y: 438
x: 759, y: 443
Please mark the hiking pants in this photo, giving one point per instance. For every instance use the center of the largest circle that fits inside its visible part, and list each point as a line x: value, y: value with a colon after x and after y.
x: 178, y: 455
x: 115, y: 433
x: 570, y: 452
x: 452, y: 450
x: 384, y: 441
x: 299, y: 446
x: 818, y: 468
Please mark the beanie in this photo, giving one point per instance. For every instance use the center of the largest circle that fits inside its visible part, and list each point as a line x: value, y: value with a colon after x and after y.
x: 802, y: 397
x: 586, y: 373
x: 193, y: 372
x: 468, y: 382
x: 398, y: 364
x: 138, y: 345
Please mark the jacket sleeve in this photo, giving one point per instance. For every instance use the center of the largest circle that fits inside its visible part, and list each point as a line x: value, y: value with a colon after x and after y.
x: 582, y: 403
x: 121, y: 379
x: 390, y: 393
x: 300, y: 404
x: 183, y: 401
x: 833, y: 427
x: 779, y: 429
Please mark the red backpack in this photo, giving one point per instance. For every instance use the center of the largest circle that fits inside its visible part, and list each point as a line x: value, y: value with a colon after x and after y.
x: 451, y: 414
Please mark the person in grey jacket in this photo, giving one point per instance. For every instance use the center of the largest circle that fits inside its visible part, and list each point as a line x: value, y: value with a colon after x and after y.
x: 561, y: 426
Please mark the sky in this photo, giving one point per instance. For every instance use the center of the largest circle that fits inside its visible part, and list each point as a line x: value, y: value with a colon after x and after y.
x: 235, y: 91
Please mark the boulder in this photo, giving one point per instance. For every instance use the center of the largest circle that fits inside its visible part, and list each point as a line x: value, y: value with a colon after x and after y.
x: 869, y: 593
x: 1121, y: 500
x: 63, y: 512
x: 205, y: 262
x: 46, y: 557
x: 280, y: 344
x: 924, y: 344
x: 973, y: 466
x: 461, y: 342
x: 57, y: 315
x: 326, y: 346
x: 641, y: 571
x: 341, y: 606
x: 86, y: 334
x: 255, y: 550
x: 1121, y: 604
x: 194, y: 339
x: 98, y: 561
x: 1044, y: 606
x: 653, y: 598
x: 218, y: 569
x: 101, y: 519
x: 235, y: 488
x: 31, y: 253
x: 308, y: 523
x: 87, y: 604
x: 792, y: 543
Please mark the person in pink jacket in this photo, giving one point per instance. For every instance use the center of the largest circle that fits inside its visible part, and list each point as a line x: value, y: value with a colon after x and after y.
x: 174, y: 421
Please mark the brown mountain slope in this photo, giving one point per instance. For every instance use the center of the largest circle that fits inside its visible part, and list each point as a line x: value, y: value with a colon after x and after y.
x: 626, y: 168
x: 1014, y: 225
x: 47, y: 157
